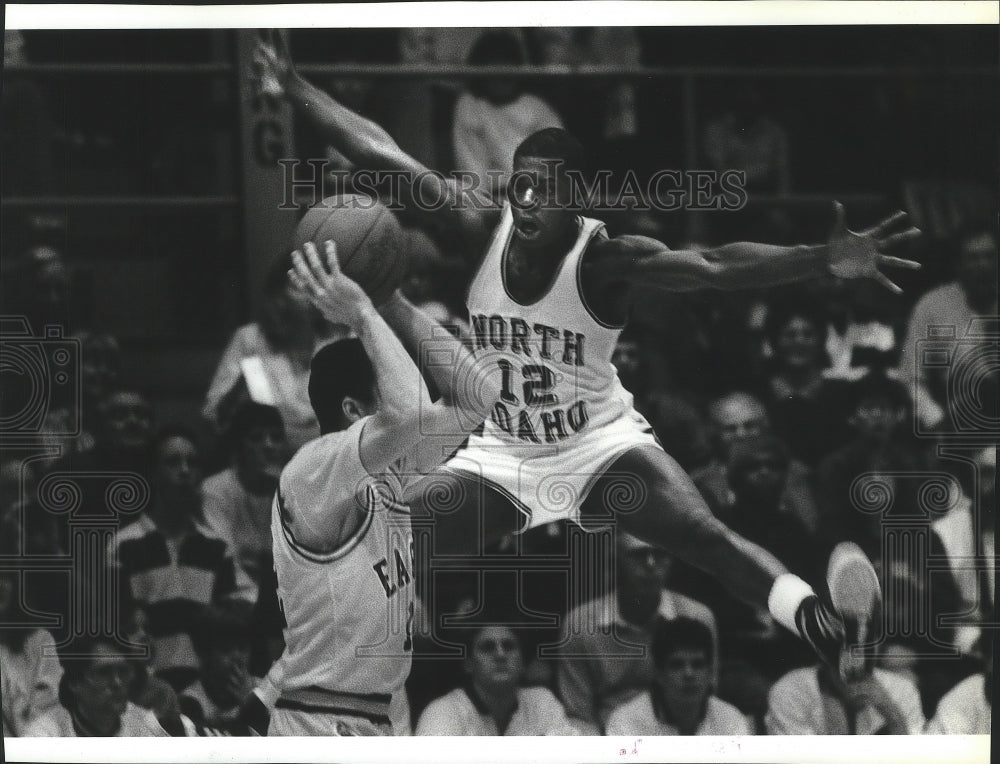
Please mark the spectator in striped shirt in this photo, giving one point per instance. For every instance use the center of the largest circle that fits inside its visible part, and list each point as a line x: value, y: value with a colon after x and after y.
x: 170, y: 563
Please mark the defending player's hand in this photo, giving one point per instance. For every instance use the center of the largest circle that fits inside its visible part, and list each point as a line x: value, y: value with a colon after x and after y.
x: 859, y: 255
x: 274, y: 62
x: 335, y: 295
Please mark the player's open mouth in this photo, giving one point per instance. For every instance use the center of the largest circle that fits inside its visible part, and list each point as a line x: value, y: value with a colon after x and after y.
x: 528, y: 229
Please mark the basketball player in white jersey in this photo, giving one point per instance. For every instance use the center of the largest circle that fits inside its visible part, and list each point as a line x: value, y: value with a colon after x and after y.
x: 343, y: 547
x: 551, y: 295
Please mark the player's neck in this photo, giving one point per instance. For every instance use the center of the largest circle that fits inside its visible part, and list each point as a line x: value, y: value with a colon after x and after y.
x: 638, y: 610
x: 546, y: 256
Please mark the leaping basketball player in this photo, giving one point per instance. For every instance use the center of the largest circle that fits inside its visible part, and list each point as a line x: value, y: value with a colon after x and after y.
x: 551, y: 294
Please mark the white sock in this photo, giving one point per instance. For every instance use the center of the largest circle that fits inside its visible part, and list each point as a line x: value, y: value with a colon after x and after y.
x: 786, y: 595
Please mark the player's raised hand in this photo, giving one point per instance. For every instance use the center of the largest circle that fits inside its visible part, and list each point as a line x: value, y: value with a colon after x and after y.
x: 274, y: 62
x: 854, y: 255
x: 335, y: 295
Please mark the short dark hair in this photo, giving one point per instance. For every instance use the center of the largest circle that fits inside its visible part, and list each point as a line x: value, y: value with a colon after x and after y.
x: 555, y: 143
x: 339, y: 370
x: 780, y: 312
x: 680, y: 634
x: 876, y: 385
x: 169, y: 431
x: 248, y: 415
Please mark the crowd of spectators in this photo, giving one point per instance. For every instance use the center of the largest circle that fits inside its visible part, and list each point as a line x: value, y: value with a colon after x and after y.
x: 781, y: 405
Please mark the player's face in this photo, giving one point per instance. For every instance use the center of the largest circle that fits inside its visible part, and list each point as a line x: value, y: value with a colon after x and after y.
x: 685, y: 678
x: 496, y: 657
x: 541, y: 199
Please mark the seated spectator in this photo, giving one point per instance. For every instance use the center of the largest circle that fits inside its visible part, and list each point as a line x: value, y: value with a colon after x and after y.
x: 605, y: 660
x: 29, y: 677
x: 807, y: 411
x: 237, y: 501
x: 816, y: 701
x: 491, y: 703
x: 680, y: 700
x: 222, y: 641
x: 170, y: 564
x: 494, y: 114
x: 880, y: 417
x: 967, y: 709
x: 275, y: 352
x: 735, y: 417
x: 93, y: 697
x: 147, y: 690
x: 955, y: 304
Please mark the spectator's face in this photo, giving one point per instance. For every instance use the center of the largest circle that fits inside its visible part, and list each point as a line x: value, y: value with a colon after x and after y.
x: 417, y: 46
x: 99, y: 365
x: 642, y: 568
x: 556, y: 45
x: 263, y: 451
x: 737, y: 418
x: 798, y: 344
x: 50, y: 285
x: 685, y: 678
x: 226, y: 661
x: 542, y: 194
x: 876, y: 417
x: 103, y: 688
x: 977, y: 268
x: 128, y: 418
x: 496, y: 658
x: 178, y: 469
x: 759, y: 476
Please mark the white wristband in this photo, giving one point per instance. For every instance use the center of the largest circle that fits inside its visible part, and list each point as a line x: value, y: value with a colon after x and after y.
x: 787, y: 593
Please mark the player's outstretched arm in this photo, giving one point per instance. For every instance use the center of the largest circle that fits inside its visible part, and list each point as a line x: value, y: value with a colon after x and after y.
x: 468, y: 389
x: 394, y: 428
x: 742, y: 265
x: 370, y: 148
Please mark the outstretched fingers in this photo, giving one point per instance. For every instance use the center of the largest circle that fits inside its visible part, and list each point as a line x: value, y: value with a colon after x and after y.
x: 885, y: 281
x: 312, y: 258
x: 899, y: 238
x: 886, y: 225
x: 303, y: 278
x: 899, y: 262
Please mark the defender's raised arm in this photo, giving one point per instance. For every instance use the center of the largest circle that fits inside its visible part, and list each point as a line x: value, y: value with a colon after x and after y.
x: 369, y: 147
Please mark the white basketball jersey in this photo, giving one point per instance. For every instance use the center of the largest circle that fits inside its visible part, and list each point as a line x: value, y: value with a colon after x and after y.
x: 554, y: 355
x: 349, y: 612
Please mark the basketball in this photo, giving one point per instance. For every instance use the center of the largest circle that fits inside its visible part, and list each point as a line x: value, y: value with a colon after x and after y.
x: 370, y: 241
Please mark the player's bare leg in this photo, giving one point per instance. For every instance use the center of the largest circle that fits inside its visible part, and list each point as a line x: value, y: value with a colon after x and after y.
x: 660, y: 504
